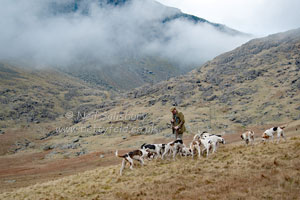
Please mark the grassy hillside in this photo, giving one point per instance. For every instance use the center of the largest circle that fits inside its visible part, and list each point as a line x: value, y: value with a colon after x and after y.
x: 34, y: 101
x: 263, y: 171
x: 37, y: 95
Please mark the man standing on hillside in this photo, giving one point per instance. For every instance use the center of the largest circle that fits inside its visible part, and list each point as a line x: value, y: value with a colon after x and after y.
x: 177, y: 123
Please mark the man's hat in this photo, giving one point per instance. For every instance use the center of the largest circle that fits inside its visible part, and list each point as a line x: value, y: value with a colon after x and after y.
x: 173, y: 108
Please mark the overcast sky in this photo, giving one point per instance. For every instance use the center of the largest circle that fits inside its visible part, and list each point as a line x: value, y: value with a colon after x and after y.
x: 259, y: 17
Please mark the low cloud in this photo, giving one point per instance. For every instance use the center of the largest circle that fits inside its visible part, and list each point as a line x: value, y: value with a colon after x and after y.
x: 51, y: 33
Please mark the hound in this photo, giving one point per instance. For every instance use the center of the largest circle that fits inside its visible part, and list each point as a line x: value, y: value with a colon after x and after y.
x: 270, y: 133
x: 130, y: 156
x: 215, y: 140
x: 206, y: 142
x: 158, y: 149
x: 174, y: 146
x: 248, y: 137
x: 195, y: 145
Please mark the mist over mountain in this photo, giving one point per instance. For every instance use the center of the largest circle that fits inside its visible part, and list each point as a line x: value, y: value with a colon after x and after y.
x: 90, y: 34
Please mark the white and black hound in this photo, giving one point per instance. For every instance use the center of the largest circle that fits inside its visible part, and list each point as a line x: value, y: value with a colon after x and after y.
x: 206, y: 142
x: 248, y: 137
x: 174, y: 146
x: 215, y: 140
x: 158, y: 149
x: 269, y: 133
x: 138, y: 155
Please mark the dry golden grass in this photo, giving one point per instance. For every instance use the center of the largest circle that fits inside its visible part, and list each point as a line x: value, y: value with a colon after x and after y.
x: 263, y: 171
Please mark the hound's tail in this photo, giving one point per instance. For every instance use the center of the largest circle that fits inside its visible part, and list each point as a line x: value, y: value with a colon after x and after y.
x: 282, y: 127
x: 143, y: 145
x: 197, y: 136
x: 117, y: 155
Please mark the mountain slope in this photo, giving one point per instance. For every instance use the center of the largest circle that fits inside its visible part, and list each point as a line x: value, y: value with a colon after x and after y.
x: 42, y: 95
x: 127, y: 75
x: 259, y: 80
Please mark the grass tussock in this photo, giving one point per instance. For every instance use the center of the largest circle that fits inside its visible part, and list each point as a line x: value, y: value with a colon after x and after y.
x: 263, y: 171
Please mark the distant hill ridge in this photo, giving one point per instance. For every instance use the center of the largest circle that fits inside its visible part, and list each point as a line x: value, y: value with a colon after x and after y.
x: 83, y: 7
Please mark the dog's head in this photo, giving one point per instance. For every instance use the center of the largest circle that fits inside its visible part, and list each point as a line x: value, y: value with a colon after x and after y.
x: 189, y: 152
x: 265, y: 136
x: 205, y: 135
x: 223, y: 141
x: 247, y: 141
x: 242, y: 136
x: 151, y: 155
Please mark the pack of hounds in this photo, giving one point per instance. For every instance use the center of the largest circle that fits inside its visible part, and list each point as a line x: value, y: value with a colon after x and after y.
x: 202, y: 144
